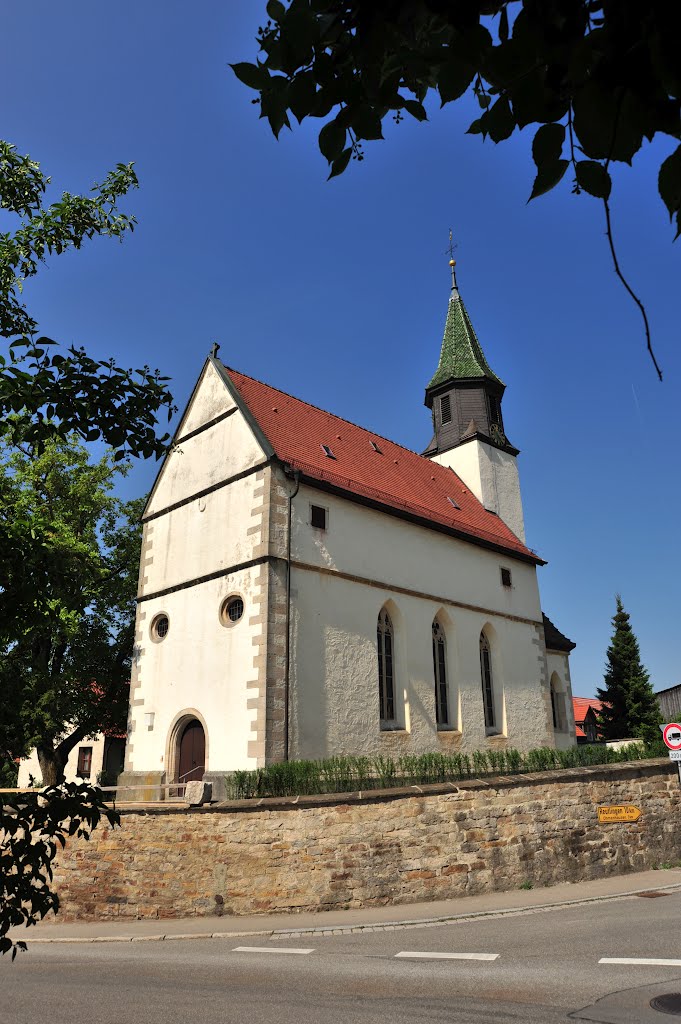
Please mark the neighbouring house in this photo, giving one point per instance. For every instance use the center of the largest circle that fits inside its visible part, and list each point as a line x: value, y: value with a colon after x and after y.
x: 586, y: 719
x: 670, y: 703
x: 310, y: 588
x: 98, y: 758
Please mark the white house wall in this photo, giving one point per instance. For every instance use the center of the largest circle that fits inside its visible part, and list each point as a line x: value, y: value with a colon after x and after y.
x: 202, y: 668
x: 492, y: 476
x: 30, y: 771
x: 334, y: 677
x: 371, y: 544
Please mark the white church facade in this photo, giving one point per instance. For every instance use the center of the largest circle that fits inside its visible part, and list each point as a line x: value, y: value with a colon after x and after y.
x: 308, y: 588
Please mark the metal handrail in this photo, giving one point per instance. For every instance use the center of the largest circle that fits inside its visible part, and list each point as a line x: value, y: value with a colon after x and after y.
x: 199, y: 768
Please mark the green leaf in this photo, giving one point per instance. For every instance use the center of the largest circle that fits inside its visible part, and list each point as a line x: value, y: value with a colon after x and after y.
x: 548, y: 176
x: 454, y: 78
x: 255, y: 76
x: 416, y: 109
x: 503, y: 25
x: 593, y: 178
x: 302, y: 95
x: 366, y: 123
x: 475, y: 127
x: 669, y: 182
x: 332, y: 140
x: 340, y: 163
x: 275, y: 10
x: 608, y: 126
x: 547, y: 144
x: 498, y: 122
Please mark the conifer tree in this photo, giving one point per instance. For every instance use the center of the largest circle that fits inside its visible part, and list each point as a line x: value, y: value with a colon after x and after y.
x: 630, y: 707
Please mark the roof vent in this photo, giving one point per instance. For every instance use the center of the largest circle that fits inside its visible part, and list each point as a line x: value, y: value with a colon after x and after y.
x: 376, y: 448
x: 327, y: 451
x: 452, y: 502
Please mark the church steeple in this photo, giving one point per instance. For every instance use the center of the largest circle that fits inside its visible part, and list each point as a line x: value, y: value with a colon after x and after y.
x: 464, y: 396
x: 464, y: 393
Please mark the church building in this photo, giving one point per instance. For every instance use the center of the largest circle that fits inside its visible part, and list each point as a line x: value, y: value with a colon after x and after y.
x: 309, y: 588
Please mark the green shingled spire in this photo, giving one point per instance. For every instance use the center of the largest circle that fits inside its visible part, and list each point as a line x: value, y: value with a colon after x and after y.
x: 461, y: 356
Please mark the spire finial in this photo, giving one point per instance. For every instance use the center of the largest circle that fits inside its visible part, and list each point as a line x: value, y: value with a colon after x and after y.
x: 214, y: 349
x: 452, y: 262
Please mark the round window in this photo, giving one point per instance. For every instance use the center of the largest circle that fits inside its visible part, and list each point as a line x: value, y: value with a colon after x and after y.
x: 159, y: 627
x: 232, y: 610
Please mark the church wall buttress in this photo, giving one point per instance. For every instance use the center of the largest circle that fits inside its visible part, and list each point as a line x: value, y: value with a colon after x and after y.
x: 543, y: 711
x: 136, y: 698
x: 270, y: 515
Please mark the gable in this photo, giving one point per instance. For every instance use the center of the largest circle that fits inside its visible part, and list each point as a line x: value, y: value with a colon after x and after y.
x: 213, y: 443
x: 209, y: 400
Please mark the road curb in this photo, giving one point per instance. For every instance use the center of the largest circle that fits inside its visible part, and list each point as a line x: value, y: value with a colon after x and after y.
x: 355, y: 929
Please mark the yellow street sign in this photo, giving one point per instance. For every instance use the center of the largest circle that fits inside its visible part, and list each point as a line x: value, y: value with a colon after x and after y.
x: 618, y: 812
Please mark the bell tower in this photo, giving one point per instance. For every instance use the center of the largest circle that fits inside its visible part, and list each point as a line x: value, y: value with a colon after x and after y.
x: 465, y: 398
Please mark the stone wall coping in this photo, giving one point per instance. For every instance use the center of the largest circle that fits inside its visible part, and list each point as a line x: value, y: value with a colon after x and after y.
x: 493, y: 782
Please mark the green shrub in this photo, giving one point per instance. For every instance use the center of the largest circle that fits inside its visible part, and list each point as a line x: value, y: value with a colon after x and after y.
x: 345, y: 774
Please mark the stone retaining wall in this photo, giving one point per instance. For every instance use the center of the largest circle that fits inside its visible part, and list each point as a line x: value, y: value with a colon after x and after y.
x: 398, y: 846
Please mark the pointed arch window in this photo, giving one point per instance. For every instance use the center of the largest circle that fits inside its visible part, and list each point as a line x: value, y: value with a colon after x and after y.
x: 440, y: 675
x: 386, y: 667
x: 487, y: 682
x: 558, y: 707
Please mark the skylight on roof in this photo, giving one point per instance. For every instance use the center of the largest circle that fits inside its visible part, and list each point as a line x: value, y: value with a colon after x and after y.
x: 376, y: 448
x: 452, y: 502
x: 327, y: 451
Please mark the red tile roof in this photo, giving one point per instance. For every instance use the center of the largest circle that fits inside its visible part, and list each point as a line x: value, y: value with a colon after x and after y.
x: 393, y: 476
x: 582, y: 704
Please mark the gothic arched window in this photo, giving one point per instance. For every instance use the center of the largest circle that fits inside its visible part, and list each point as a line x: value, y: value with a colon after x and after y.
x: 487, y: 682
x: 440, y: 674
x: 386, y: 667
x: 557, y: 706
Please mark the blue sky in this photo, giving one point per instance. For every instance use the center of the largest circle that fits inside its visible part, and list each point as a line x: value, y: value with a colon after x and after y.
x: 337, y: 292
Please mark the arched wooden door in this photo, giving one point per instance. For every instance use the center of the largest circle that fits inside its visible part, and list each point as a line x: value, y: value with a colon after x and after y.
x: 192, y: 752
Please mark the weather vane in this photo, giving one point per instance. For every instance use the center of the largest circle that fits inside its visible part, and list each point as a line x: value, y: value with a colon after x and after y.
x: 452, y: 262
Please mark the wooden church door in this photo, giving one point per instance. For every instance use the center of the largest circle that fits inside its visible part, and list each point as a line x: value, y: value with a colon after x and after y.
x: 192, y: 752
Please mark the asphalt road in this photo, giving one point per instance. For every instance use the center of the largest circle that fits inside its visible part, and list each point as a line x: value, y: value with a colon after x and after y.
x: 537, y: 966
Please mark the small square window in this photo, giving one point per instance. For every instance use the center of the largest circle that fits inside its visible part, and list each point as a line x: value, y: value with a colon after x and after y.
x: 318, y: 517
x: 506, y: 578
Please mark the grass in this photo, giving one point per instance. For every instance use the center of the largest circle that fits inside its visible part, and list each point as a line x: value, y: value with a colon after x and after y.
x: 347, y: 774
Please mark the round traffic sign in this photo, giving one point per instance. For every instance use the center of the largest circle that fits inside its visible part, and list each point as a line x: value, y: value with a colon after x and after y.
x: 671, y: 734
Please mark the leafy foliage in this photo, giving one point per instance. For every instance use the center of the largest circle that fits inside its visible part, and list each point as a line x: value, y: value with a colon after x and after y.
x: 33, y: 826
x: 345, y: 774
x: 607, y: 73
x: 49, y: 391
x: 68, y: 550
x: 68, y: 577
x: 596, y: 79
x: 630, y: 707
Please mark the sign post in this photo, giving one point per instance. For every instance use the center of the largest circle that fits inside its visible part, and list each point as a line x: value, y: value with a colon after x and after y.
x: 611, y: 813
x: 671, y: 734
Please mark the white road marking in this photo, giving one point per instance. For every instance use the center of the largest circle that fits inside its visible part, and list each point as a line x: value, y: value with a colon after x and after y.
x: 269, y: 949
x: 645, y: 961
x: 420, y: 955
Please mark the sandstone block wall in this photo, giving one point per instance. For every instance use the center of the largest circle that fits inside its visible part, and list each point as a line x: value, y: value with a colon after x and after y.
x: 401, y: 846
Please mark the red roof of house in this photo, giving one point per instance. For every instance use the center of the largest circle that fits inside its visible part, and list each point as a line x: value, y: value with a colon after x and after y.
x: 581, y: 705
x: 369, y: 466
